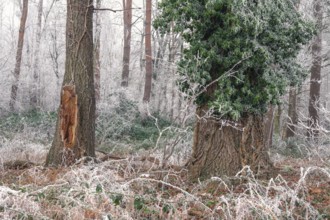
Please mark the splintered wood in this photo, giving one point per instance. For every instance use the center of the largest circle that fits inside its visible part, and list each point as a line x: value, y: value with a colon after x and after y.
x: 68, y: 115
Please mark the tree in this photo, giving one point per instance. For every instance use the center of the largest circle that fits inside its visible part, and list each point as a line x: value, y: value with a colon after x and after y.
x: 127, y: 41
x: 241, y: 55
x: 269, y: 126
x: 17, y: 70
x: 148, y: 53
x: 75, y: 128
x: 97, y: 45
x: 315, y: 80
x: 292, y: 120
x: 36, y: 69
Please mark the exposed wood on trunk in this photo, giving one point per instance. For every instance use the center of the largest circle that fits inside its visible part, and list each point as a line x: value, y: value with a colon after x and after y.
x: 68, y: 115
x: 127, y: 41
x: 148, y: 53
x: 17, y: 70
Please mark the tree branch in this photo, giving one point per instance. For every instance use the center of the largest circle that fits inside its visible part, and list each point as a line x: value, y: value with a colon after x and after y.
x: 113, y: 10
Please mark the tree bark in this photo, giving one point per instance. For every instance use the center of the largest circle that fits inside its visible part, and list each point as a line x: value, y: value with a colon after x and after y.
x: 292, y: 114
x: 127, y: 41
x: 277, y: 120
x: 148, y: 53
x: 17, y: 70
x: 97, y: 61
x: 223, y: 149
x: 315, y: 80
x: 34, y: 98
x: 79, y: 140
x: 269, y: 127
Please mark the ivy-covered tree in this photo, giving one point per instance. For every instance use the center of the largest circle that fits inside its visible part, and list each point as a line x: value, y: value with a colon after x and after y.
x: 241, y: 55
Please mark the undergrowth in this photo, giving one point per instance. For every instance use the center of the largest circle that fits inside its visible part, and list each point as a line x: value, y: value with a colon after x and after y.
x: 38, y: 126
x: 123, y: 125
x: 116, y: 126
x: 125, y: 190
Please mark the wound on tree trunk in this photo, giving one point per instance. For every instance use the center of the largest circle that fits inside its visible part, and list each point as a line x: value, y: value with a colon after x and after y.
x: 68, y: 115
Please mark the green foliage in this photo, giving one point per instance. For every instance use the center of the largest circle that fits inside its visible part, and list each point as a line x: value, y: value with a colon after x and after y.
x: 122, y: 123
x: 33, y: 118
x: 117, y: 199
x: 257, y: 40
x: 22, y: 216
x: 295, y: 147
x: 38, y: 121
x: 292, y: 147
x: 138, y: 203
x: 126, y: 124
x: 99, y: 188
x: 145, y: 128
x: 167, y: 208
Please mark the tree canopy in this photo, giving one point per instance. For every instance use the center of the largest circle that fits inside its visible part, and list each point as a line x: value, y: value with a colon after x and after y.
x: 257, y: 40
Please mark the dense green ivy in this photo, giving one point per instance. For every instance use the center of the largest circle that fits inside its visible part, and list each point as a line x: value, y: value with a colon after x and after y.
x: 259, y: 38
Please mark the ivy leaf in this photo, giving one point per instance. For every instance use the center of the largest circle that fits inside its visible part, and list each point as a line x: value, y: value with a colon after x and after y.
x: 117, y: 199
x: 138, y: 203
x: 99, y: 188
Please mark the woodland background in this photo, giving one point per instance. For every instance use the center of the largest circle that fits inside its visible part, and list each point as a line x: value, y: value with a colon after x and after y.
x: 142, y: 136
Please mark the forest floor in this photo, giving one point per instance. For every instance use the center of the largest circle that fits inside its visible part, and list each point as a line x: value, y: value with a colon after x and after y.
x: 136, y: 188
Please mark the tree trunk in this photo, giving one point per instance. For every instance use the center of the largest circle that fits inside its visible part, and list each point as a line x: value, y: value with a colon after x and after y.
x: 34, y: 98
x: 97, y: 44
x: 223, y: 149
x: 17, y: 70
x: 75, y: 129
x: 269, y: 128
x: 127, y: 41
x: 148, y: 53
x: 315, y: 81
x: 277, y: 120
x: 292, y: 114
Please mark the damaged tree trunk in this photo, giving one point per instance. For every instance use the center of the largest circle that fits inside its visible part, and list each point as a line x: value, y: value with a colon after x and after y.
x: 224, y: 149
x: 68, y: 115
x: 75, y: 129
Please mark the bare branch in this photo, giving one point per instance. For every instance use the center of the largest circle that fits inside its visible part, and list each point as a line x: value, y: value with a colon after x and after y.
x: 114, y: 10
